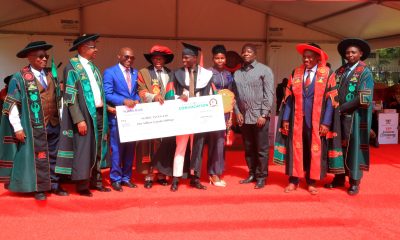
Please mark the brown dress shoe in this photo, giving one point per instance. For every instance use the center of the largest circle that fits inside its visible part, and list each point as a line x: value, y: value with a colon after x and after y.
x: 291, y: 187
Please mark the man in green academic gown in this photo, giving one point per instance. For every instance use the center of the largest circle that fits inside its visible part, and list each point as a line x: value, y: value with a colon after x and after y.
x: 356, y: 86
x: 84, y: 126
x: 30, y: 127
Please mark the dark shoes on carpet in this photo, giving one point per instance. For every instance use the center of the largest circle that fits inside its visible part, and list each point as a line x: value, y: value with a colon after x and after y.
x: 353, y: 190
x: 40, y: 196
x: 59, y: 191
x: 116, y: 186
x: 260, y: 183
x: 163, y: 182
x: 249, y: 179
x: 197, y: 184
x: 101, y: 189
x: 129, y: 184
x: 85, y: 193
x: 174, y: 185
x: 148, y: 184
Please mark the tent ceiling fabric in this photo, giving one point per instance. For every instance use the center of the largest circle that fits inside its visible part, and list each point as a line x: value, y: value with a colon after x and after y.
x: 372, y: 20
x: 364, y: 19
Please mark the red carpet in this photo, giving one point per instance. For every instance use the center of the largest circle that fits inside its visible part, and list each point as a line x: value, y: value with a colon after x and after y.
x: 234, y: 212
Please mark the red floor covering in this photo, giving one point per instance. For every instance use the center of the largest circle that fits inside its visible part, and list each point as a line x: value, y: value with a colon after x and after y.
x: 234, y: 212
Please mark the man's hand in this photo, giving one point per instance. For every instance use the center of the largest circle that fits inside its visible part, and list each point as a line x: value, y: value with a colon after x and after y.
x: 111, y: 110
x: 20, y: 135
x: 183, y: 97
x: 261, y: 122
x: 82, y: 128
x: 240, y: 119
x: 158, y: 98
x: 323, y: 130
x: 130, y: 103
x: 285, y: 125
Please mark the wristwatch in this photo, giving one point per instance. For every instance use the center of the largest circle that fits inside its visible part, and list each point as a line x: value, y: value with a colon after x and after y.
x: 264, y: 116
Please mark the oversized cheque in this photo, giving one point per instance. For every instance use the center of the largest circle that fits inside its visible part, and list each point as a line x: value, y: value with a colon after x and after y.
x: 176, y: 117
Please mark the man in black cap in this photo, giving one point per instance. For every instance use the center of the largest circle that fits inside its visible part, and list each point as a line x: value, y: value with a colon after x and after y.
x: 84, y: 127
x: 356, y: 85
x: 30, y: 126
x: 254, y: 93
x: 156, y: 154
x: 191, y: 80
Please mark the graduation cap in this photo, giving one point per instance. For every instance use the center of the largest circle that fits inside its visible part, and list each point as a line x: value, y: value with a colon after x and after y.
x: 190, y: 49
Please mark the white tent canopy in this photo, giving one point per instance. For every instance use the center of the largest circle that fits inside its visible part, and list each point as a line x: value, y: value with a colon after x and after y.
x: 275, y: 26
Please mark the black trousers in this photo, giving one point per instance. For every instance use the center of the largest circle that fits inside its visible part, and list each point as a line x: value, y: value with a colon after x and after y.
x: 53, y: 134
x: 256, y: 146
x: 96, y: 179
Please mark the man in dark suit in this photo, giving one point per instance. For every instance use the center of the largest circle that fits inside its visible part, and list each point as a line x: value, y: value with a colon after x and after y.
x: 155, y: 154
x: 120, y: 87
x: 308, y: 110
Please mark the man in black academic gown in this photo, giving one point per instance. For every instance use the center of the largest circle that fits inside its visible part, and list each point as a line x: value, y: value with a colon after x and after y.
x: 84, y: 125
x: 191, y: 80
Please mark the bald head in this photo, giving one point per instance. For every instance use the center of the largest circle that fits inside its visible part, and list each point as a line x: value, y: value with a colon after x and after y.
x: 126, y: 57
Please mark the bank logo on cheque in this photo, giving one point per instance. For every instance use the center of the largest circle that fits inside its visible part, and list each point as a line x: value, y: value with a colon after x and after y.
x: 213, y: 102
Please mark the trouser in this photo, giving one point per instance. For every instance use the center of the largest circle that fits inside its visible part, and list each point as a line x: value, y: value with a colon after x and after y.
x: 179, y: 158
x: 216, y: 152
x: 121, y: 158
x: 256, y: 149
x: 306, y: 156
x: 53, y: 134
x: 95, y: 176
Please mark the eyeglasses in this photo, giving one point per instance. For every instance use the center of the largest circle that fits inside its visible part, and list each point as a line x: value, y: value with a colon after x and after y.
x: 91, y: 46
x: 129, y: 57
x: 42, y: 56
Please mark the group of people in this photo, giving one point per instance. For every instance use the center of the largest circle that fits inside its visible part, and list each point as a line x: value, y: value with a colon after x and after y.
x: 52, y: 128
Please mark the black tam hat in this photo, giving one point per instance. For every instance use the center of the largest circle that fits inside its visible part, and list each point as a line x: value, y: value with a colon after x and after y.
x: 190, y: 49
x: 218, y: 49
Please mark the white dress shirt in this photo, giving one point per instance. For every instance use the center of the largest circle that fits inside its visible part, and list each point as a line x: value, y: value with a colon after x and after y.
x: 93, y: 83
x: 312, y: 73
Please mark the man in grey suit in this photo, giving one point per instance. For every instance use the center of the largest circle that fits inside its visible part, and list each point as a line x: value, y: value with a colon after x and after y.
x: 254, y: 90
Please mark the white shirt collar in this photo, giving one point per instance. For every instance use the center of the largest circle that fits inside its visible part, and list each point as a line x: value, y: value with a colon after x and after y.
x: 162, y: 69
x: 314, y: 69
x: 82, y: 59
x: 123, y: 69
x: 354, y: 66
x: 36, y: 72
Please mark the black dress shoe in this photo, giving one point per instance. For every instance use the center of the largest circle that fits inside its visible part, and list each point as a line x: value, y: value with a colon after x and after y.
x: 353, y: 190
x: 101, y: 189
x: 148, y: 184
x: 260, y: 184
x: 59, y: 191
x: 197, y: 184
x: 129, y: 184
x: 174, y: 185
x: 334, y: 184
x: 249, y: 179
x: 116, y: 186
x: 40, y: 196
x: 163, y: 182
x: 85, y: 193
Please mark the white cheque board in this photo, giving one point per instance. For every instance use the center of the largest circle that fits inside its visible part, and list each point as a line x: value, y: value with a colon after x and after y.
x: 174, y: 117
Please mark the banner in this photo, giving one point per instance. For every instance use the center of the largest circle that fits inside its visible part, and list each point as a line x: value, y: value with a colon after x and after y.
x: 388, y: 132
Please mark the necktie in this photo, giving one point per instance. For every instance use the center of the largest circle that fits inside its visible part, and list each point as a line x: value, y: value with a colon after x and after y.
x: 160, y: 82
x: 128, y: 79
x: 191, y: 83
x: 44, y: 85
x: 308, y: 78
x: 346, y: 72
